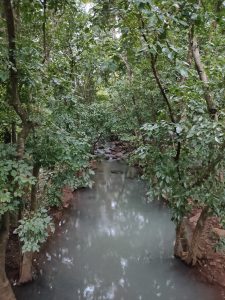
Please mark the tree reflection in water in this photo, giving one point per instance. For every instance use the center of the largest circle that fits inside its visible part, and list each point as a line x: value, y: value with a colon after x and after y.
x: 113, y: 245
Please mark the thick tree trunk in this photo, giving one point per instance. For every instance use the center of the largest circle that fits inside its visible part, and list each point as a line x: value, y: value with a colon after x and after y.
x: 22, y: 136
x: 26, y: 268
x: 14, y: 101
x: 6, y: 292
x: 188, y: 248
x: 193, y: 251
x: 182, y: 242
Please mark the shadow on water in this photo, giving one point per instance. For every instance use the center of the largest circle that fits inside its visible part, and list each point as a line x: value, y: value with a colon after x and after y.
x: 114, y: 245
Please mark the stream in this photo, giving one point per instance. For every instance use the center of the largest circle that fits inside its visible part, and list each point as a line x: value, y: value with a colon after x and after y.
x: 112, y: 244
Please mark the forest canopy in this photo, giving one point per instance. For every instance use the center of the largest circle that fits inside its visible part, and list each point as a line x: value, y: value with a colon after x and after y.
x: 76, y: 73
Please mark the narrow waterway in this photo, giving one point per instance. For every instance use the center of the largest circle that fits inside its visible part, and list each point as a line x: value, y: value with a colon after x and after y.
x: 114, y: 245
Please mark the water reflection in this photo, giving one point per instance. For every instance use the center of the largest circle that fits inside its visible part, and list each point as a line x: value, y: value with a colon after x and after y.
x: 112, y: 245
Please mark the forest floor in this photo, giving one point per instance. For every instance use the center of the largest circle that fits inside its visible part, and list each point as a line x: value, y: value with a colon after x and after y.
x: 211, y: 266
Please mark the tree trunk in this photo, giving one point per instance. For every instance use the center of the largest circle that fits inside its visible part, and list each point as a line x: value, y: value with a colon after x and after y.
x: 178, y: 248
x: 193, y: 251
x: 22, y: 136
x: 161, y: 88
x: 26, y: 265
x: 212, y: 110
x: 6, y: 292
x: 14, y: 101
x: 26, y: 268
x: 182, y: 242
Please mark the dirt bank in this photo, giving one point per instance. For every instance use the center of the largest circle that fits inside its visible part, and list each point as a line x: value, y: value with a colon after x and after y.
x: 211, y: 266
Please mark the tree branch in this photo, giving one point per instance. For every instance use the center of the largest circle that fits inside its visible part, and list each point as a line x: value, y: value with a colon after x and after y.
x: 44, y: 3
x: 211, y: 167
x: 13, y: 73
x: 14, y: 100
x: 153, y: 59
x: 202, y: 75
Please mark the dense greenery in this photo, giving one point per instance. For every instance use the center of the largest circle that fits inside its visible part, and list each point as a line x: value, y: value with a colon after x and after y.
x: 74, y: 73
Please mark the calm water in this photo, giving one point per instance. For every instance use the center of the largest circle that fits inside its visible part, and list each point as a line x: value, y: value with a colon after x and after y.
x: 113, y: 245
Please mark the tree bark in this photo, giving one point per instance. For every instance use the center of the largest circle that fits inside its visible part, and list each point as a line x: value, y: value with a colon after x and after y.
x: 15, y: 102
x: 203, y: 76
x: 179, y: 247
x: 22, y: 136
x: 27, y: 258
x: 153, y: 60
x: 13, y: 72
x: 161, y: 88
x: 26, y: 268
x: 6, y: 291
x: 193, y: 251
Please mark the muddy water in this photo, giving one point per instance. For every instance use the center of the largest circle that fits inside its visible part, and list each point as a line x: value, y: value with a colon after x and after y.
x: 113, y: 245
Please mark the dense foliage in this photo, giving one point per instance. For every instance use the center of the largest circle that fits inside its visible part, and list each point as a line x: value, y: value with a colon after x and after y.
x: 74, y: 73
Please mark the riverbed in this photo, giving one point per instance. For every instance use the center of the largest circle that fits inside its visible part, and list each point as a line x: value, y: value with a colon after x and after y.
x: 113, y: 244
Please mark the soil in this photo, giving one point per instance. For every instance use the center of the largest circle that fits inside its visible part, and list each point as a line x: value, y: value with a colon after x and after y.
x: 112, y: 151
x: 13, y: 257
x: 13, y: 252
x: 211, y: 266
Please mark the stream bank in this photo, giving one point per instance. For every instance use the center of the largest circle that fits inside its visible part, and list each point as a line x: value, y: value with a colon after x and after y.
x: 211, y: 264
x: 111, y: 244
